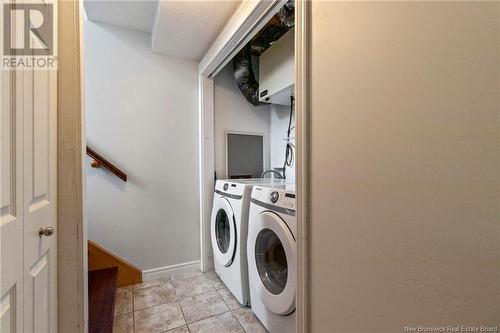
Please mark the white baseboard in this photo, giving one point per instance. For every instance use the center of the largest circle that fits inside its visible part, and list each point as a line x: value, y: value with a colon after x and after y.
x: 166, y: 271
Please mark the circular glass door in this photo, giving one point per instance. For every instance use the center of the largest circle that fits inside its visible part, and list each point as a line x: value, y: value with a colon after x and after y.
x: 272, y: 262
x: 270, y: 258
x: 223, y: 232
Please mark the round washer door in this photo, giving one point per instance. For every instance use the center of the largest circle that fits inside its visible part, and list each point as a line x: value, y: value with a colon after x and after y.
x: 272, y: 262
x: 223, y: 231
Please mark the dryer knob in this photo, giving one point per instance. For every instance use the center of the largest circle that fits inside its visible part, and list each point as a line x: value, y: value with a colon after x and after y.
x: 226, y: 186
x: 274, y: 196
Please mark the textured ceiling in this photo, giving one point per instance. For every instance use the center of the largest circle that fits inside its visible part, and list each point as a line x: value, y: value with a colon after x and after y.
x: 182, y: 29
x: 137, y: 15
x: 186, y: 29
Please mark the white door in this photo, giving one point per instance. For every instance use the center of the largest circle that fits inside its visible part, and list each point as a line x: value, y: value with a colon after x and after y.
x: 223, y: 232
x: 40, y: 172
x: 28, y: 270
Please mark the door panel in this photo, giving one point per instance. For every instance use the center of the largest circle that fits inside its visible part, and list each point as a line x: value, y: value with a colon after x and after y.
x: 7, y: 147
x: 38, y: 140
x: 8, y: 311
x: 39, y: 287
x: 41, y: 135
x: 11, y: 212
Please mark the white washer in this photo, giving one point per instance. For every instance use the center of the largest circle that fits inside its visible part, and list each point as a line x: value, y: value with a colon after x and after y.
x: 229, y: 229
x: 272, y: 257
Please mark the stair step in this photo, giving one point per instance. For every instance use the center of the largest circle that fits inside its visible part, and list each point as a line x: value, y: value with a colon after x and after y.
x: 100, y: 258
x: 102, y: 291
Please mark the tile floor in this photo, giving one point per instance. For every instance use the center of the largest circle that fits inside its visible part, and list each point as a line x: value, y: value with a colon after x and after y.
x: 189, y: 303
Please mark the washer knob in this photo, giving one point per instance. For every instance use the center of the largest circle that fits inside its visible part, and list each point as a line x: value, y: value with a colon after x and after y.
x: 226, y: 186
x: 274, y: 196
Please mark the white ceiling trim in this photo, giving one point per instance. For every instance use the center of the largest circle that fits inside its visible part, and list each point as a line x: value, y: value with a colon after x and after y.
x: 248, y: 19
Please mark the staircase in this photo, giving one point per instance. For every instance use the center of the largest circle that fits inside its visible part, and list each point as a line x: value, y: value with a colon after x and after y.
x: 106, y: 273
x: 102, y: 291
x: 100, y: 258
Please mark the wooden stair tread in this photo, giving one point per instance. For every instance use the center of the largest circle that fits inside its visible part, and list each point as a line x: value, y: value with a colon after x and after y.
x: 102, y: 291
x: 100, y: 258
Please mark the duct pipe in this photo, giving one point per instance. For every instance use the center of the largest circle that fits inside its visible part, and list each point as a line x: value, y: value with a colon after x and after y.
x: 242, y: 62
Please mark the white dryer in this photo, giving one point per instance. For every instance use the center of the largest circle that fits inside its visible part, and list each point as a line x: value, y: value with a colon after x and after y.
x: 229, y: 230
x: 272, y: 257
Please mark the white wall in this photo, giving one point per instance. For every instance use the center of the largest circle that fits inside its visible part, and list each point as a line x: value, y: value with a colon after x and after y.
x: 280, y: 115
x: 142, y: 114
x: 404, y: 184
x: 234, y: 113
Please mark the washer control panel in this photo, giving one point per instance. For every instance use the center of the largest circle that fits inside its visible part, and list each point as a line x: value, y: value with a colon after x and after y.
x: 274, y: 196
x: 231, y: 188
x: 289, y: 201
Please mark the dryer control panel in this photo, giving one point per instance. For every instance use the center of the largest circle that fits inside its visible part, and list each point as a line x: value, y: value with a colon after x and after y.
x: 279, y: 196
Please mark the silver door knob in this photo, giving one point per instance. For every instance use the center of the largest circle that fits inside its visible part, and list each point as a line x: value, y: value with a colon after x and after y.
x: 48, y: 231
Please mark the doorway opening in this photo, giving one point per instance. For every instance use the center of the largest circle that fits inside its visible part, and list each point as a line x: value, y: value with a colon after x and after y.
x: 251, y: 88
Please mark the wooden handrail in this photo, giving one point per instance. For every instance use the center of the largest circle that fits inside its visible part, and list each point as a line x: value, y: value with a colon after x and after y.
x: 99, y: 161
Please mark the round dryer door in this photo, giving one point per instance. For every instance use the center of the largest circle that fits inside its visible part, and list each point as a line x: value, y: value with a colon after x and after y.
x: 272, y: 262
x: 223, y: 231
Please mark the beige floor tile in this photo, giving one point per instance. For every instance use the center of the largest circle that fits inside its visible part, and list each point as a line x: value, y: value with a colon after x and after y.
x: 154, y: 295
x: 124, y: 323
x: 159, y: 318
x: 203, y: 306
x: 150, y: 283
x: 192, y: 286
x: 229, y: 299
x: 123, y: 301
x: 183, y: 329
x: 224, y: 323
x: 215, y: 280
x: 123, y: 289
x: 186, y: 275
x: 248, y: 320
